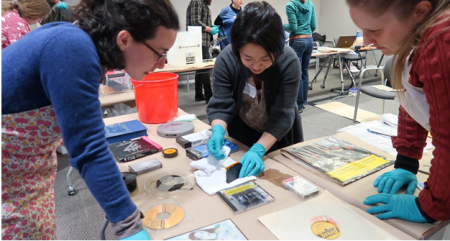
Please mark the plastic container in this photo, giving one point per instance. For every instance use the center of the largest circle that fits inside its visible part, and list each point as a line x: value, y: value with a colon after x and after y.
x: 169, y: 183
x: 116, y: 82
x: 156, y: 97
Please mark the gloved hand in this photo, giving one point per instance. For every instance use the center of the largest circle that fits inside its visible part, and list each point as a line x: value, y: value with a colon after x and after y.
x: 216, y: 142
x: 252, y: 164
x: 141, y: 235
x: 391, y: 182
x: 214, y: 29
x: 402, y: 206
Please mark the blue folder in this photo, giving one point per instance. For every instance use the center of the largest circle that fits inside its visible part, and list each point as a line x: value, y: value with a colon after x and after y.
x: 124, y: 131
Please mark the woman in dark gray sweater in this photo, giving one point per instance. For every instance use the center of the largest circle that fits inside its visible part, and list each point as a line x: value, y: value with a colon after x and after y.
x: 255, y: 86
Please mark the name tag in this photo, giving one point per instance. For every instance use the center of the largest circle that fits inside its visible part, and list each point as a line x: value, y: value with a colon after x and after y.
x: 250, y: 90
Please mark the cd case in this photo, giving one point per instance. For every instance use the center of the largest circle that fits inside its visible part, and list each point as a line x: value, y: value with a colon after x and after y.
x: 245, y: 197
x: 135, y: 148
x: 194, y: 139
x: 300, y: 186
x: 145, y: 166
x: 225, y: 230
x: 199, y: 152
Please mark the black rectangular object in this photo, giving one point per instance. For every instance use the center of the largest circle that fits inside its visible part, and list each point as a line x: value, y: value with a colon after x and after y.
x: 233, y: 172
x: 133, y: 149
x: 183, y: 142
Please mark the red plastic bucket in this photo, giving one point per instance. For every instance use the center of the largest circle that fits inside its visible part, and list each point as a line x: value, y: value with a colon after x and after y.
x: 156, y: 97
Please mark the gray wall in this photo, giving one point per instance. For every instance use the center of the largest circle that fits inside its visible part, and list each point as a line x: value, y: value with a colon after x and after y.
x: 72, y: 2
x: 336, y: 19
x: 217, y: 5
x: 332, y: 16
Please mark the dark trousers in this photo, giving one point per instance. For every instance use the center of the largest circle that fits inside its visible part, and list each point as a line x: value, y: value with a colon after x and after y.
x: 202, y: 80
x: 303, y: 48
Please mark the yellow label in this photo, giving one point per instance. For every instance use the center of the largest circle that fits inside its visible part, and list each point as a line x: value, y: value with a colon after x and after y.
x: 353, y: 169
x: 325, y: 230
x: 170, y: 151
x: 240, y: 189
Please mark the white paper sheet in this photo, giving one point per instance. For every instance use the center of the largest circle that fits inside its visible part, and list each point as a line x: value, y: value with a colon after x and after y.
x: 295, y: 222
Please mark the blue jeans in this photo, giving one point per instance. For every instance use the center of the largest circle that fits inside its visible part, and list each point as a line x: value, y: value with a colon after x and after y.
x: 303, y: 48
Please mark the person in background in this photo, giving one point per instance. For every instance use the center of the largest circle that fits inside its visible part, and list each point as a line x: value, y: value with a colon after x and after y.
x: 41, y: 105
x: 199, y: 14
x: 302, y: 23
x: 421, y: 50
x: 60, y: 12
x: 17, y: 15
x: 225, y: 21
x: 255, y: 89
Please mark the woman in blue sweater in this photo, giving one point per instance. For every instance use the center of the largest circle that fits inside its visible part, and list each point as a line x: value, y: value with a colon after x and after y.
x: 225, y: 21
x: 50, y: 88
x: 302, y: 23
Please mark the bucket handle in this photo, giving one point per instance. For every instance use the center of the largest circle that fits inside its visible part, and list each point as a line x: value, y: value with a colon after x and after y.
x: 138, y: 85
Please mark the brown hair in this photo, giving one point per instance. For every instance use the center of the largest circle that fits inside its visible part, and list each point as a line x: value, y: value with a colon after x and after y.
x: 31, y: 9
x: 403, y: 8
x: 104, y: 19
x: 303, y: 1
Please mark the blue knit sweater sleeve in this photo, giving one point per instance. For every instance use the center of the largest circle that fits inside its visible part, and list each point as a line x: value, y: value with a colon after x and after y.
x: 66, y: 70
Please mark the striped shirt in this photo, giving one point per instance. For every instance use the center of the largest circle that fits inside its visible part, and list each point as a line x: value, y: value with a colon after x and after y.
x: 199, y: 14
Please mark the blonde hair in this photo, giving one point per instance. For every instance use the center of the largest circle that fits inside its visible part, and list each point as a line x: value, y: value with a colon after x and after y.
x: 30, y: 9
x: 404, y: 8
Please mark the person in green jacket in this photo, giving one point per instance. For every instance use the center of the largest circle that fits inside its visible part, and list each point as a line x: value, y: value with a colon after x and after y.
x: 60, y: 12
x: 302, y: 23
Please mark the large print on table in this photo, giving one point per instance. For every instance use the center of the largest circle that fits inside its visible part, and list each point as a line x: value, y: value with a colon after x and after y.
x: 336, y: 159
x: 225, y: 230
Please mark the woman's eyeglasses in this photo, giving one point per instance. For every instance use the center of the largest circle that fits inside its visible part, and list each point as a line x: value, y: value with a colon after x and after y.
x: 160, y: 56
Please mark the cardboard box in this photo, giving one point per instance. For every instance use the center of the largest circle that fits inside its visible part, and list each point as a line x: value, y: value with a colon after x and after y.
x: 187, y: 49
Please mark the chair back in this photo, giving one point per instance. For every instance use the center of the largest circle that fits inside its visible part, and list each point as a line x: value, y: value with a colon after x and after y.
x: 387, y: 70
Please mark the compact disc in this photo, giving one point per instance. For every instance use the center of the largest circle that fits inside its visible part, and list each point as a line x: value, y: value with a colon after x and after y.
x: 163, y: 216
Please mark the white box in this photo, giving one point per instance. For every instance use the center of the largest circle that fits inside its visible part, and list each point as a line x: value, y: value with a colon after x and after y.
x: 187, y: 49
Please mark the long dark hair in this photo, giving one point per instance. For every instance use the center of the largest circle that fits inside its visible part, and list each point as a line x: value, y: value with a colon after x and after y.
x: 260, y: 24
x: 104, y: 19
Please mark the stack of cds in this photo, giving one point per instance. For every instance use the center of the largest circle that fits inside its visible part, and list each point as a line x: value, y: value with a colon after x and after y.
x: 300, y: 186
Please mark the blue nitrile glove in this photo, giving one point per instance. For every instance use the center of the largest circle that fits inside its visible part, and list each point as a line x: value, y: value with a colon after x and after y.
x: 252, y: 164
x: 391, y: 182
x: 402, y: 206
x: 62, y: 5
x: 216, y: 142
x: 214, y: 30
x: 141, y: 235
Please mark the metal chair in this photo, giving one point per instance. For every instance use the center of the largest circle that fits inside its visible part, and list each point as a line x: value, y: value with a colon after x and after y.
x: 374, y: 92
